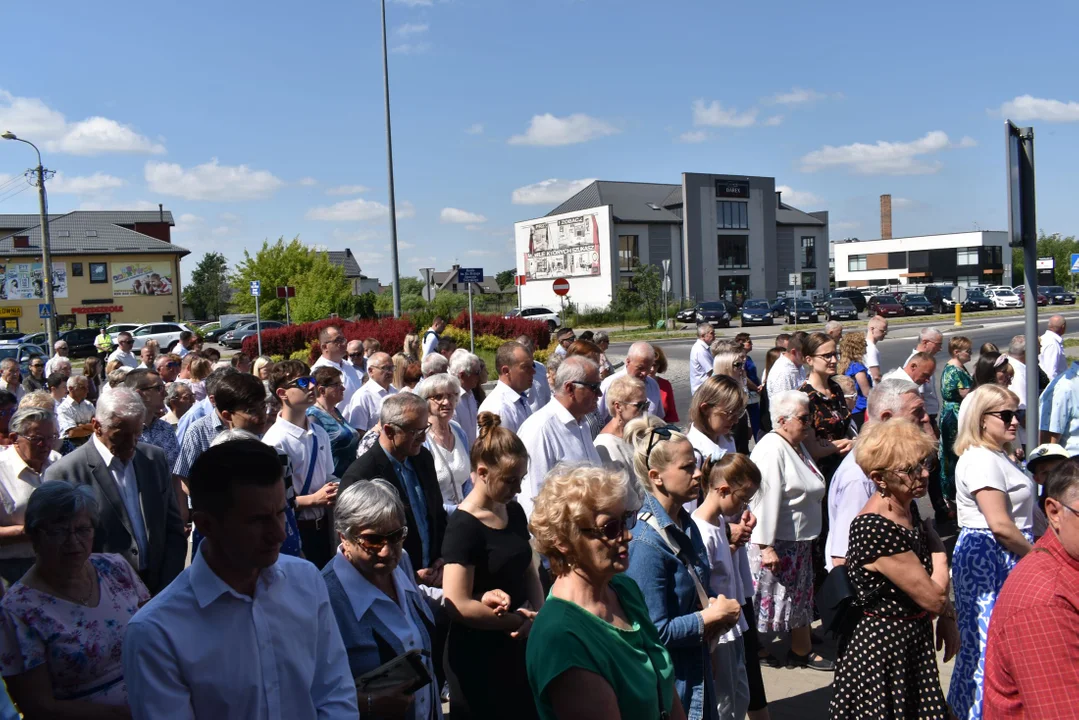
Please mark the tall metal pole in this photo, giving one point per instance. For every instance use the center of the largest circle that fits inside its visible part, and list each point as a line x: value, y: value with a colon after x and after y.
x: 46, y: 256
x: 389, y: 164
x: 471, y: 332
x: 258, y: 323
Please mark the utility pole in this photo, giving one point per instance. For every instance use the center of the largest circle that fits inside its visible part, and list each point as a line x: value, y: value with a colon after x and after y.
x: 389, y: 164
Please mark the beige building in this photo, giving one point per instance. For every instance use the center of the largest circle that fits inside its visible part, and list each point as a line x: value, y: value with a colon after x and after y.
x: 107, y: 267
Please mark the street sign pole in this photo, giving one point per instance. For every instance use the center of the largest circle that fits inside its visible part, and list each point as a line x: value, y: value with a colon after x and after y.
x: 471, y: 332
x: 666, y: 289
x: 256, y: 290
x: 288, y: 318
x: 1023, y: 228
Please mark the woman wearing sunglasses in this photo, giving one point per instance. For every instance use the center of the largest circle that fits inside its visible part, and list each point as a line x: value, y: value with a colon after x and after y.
x: 668, y: 562
x: 378, y: 606
x: 995, y: 510
x: 594, y: 638
x: 626, y: 401
x: 730, y: 360
x: 827, y: 405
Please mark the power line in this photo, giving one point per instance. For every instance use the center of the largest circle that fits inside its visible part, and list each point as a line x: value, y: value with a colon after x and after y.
x: 10, y: 182
x: 16, y: 192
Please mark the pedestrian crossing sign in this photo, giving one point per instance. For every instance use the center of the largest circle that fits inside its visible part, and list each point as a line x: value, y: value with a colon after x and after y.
x: 1075, y: 263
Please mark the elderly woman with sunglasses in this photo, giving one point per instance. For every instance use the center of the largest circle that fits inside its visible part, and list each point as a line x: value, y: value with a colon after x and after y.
x: 668, y: 562
x: 730, y: 360
x: 995, y: 503
x: 626, y: 401
x: 788, y: 509
x: 380, y: 610
x: 594, y: 638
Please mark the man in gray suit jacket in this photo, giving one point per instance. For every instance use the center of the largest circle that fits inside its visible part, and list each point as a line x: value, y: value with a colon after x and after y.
x: 139, y: 516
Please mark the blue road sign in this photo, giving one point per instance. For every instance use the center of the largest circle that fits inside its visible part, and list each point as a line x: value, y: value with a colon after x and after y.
x: 44, y: 311
x: 256, y: 288
x: 1075, y: 263
x: 470, y: 275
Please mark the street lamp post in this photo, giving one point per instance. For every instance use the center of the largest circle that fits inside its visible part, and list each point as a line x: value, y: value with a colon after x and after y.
x: 46, y: 258
x: 389, y: 163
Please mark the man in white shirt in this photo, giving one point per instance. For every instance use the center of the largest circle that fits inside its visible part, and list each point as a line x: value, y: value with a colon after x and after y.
x: 918, y: 370
x: 509, y: 398
x: 565, y: 337
x: 930, y: 342
x: 75, y: 415
x: 876, y: 331
x: 788, y: 372
x: 186, y: 344
x: 700, y: 356
x: 122, y: 353
x: 168, y: 367
x: 540, y: 394
x: 356, y: 358
x: 147, y: 356
x: 363, y: 409
x: 60, y: 348
x: 11, y: 378
x: 244, y: 632
x: 466, y: 368
x: 558, y: 432
x: 432, y: 336
x: 1051, y: 359
x: 639, y: 361
x: 334, y: 355
x: 834, y: 330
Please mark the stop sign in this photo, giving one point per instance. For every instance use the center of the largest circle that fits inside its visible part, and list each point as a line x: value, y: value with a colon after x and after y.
x: 561, y: 286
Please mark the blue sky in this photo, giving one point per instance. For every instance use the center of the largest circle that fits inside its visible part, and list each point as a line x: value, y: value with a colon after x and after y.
x: 255, y: 120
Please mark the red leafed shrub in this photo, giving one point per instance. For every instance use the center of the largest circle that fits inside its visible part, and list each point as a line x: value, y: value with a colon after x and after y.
x: 389, y: 332
x: 507, y: 328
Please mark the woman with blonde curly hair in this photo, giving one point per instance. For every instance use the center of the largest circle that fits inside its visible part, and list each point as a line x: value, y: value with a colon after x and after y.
x: 594, y: 638
x: 411, y: 347
x: 852, y: 349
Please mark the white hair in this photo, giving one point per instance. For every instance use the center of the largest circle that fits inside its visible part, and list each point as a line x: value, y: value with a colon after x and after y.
x: 1018, y: 348
x: 703, y: 329
x: 397, y: 408
x: 120, y: 404
x: 887, y: 396
x: 59, y: 344
x: 8, y: 363
x: 462, y: 362
x: 75, y: 380
x: 371, y: 505
x: 832, y: 325
x: 222, y: 365
x: 434, y: 364
x: 59, y: 362
x: 573, y: 369
x: 929, y: 333
x: 641, y: 350
x: 439, y: 384
x: 787, y: 404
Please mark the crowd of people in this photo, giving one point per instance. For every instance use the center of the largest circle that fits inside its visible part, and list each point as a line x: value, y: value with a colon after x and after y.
x: 375, y: 535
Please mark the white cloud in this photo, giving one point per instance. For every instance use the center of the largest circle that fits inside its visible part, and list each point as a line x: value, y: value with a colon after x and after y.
x: 967, y: 142
x: 474, y: 129
x: 462, y: 217
x: 347, y: 190
x: 188, y: 219
x: 308, y: 181
x: 797, y: 96
x: 358, y: 209
x: 32, y: 118
x: 211, y: 181
x: 884, y: 158
x: 221, y: 230
x: 230, y: 217
x: 411, y: 29
x: 901, y: 202
x: 83, y: 185
x: 773, y: 121
x: 548, y: 130
x: 484, y: 253
x: 1025, y: 108
x: 411, y: 48
x: 110, y: 204
x: 715, y: 115
x: 549, y: 192
x: 798, y: 198
x: 693, y: 136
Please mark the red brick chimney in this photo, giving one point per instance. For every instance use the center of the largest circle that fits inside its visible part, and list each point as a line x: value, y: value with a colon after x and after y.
x: 885, y: 217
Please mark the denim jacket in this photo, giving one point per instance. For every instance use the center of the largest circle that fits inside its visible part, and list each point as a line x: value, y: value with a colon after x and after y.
x: 672, y: 602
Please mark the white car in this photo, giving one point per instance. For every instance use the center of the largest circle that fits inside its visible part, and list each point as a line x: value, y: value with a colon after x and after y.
x: 1003, y: 298
x: 167, y: 335
x: 117, y: 328
x: 537, y: 313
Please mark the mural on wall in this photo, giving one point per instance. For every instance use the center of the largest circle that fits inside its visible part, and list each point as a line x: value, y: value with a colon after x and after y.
x: 141, y: 278
x: 568, y: 247
x: 25, y: 281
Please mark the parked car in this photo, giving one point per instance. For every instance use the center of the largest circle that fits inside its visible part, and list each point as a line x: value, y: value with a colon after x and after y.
x: 207, y: 327
x: 222, y: 328
x: 40, y: 339
x: 756, y: 312
x: 977, y: 300
x: 940, y: 297
x: 536, y: 313
x: 916, y: 304
x: 806, y: 313
x: 22, y: 353
x: 1004, y: 298
x: 780, y: 306
x: 80, y: 342
x: 687, y: 315
x: 235, y: 338
x: 1057, y: 295
x: 117, y: 328
x: 840, y: 308
x: 1021, y: 292
x: 166, y: 334
x: 884, y: 306
x: 856, y: 297
x: 717, y: 313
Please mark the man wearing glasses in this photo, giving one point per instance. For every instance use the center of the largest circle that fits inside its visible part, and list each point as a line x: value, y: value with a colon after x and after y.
x: 334, y: 355
x: 639, y: 361
x: 357, y: 358
x: 362, y: 411
x: 122, y: 353
x: 168, y: 367
x: 151, y: 388
x: 36, y: 379
x: 566, y: 337
x: 558, y: 431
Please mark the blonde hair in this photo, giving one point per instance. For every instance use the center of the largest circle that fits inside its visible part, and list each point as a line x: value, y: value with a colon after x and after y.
x: 892, y: 445
x: 260, y: 362
x: 638, y: 433
x: 984, y: 399
x: 200, y: 368
x: 411, y: 345
x: 846, y: 382
x: 622, y: 387
x: 852, y: 348
x: 400, y: 364
x: 723, y: 361
x: 720, y: 391
x: 571, y: 496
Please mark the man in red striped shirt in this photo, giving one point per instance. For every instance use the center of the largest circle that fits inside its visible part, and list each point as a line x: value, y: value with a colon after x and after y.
x: 1032, y: 659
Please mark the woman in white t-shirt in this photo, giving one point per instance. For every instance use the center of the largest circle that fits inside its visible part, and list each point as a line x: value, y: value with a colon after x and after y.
x: 446, y: 439
x: 626, y: 400
x: 995, y: 510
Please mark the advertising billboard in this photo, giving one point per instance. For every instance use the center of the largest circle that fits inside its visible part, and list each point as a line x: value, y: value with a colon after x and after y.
x: 564, y: 247
x: 24, y: 281
x: 141, y: 278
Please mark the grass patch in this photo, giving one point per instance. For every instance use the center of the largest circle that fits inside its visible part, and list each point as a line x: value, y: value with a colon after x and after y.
x: 1071, y: 342
x: 650, y: 334
x: 941, y: 319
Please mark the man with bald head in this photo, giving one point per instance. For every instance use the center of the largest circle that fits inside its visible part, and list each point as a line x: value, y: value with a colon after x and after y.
x: 1051, y: 359
x: 333, y: 344
x: 639, y: 362
x: 362, y: 410
x: 356, y: 358
x: 918, y: 370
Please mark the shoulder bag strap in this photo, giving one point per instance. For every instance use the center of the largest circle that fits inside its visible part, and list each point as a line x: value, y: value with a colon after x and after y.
x: 702, y: 595
x: 311, y: 466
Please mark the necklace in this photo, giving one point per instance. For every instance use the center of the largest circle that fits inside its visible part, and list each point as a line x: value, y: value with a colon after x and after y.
x: 88, y: 572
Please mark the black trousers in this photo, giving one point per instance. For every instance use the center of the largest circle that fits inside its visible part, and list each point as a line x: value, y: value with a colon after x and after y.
x: 315, y: 540
x: 758, y: 700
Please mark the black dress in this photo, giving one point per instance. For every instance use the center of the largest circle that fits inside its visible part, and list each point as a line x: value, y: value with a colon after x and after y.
x: 485, y: 668
x: 889, y: 669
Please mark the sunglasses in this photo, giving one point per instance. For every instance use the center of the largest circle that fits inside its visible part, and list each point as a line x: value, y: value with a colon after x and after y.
x: 1006, y: 416
x: 915, y: 471
x: 373, y: 542
x: 356, y: 355
x: 663, y: 433
x: 303, y: 383
x: 613, y: 529
x: 641, y: 406
x: 738, y: 365
x: 594, y: 387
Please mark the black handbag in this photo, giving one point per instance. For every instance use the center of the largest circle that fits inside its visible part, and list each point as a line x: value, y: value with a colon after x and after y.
x: 837, y: 602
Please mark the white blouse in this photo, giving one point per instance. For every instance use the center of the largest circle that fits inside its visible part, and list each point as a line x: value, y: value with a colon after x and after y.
x: 980, y: 468
x: 788, y: 504
x: 615, y: 452
x: 452, y: 466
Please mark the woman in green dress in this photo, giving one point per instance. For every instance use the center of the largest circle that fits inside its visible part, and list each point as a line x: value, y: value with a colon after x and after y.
x: 955, y: 383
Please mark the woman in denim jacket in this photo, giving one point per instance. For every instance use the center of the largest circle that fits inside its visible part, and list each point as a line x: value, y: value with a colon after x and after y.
x: 670, y: 471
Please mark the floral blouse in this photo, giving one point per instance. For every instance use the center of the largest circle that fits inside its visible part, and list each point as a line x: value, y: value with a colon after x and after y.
x: 81, y: 646
x: 829, y: 415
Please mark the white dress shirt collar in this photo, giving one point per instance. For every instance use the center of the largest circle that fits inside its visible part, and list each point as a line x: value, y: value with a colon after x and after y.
x: 208, y: 587
x: 292, y: 429
x: 361, y: 592
x: 105, y: 453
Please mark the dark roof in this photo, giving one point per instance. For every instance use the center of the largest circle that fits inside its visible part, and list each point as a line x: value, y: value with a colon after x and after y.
x: 629, y: 201
x: 787, y: 215
x: 89, y: 233
x: 346, y: 260
x: 116, y: 217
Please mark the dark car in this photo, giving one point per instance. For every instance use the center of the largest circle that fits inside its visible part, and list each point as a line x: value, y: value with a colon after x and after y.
x: 885, y: 306
x: 22, y: 353
x: 80, y: 342
x: 806, y: 312
x: 1057, y: 295
x: 689, y: 315
x: 716, y: 313
x: 216, y: 335
x: 235, y: 338
x: 840, y: 308
x: 915, y: 304
x: 756, y: 312
x: 853, y: 295
x: 780, y: 306
x: 940, y: 297
x: 1043, y: 300
x: 977, y: 300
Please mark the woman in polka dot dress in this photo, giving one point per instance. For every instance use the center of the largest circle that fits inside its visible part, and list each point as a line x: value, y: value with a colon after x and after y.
x: 889, y: 667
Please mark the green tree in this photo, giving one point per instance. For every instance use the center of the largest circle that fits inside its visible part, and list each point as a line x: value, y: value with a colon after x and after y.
x: 647, y: 281
x: 505, y: 278
x: 1056, y: 246
x: 207, y: 294
x: 411, y: 286
x: 321, y: 291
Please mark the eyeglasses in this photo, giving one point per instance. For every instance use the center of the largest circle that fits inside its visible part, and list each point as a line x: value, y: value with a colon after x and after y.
x: 663, y: 433
x: 155, y: 388
x: 1066, y: 507
x: 37, y: 365
x: 373, y: 542
x: 356, y: 355
x: 828, y: 356
x: 83, y: 532
x: 383, y: 368
x: 571, y: 339
x: 334, y: 385
x: 303, y: 383
x: 126, y: 342
x: 804, y: 419
x: 414, y: 433
x: 915, y: 471
x: 172, y: 365
x: 612, y: 529
x: 1006, y: 416
x: 337, y: 341
x: 594, y: 387
x: 641, y: 406
x: 40, y: 440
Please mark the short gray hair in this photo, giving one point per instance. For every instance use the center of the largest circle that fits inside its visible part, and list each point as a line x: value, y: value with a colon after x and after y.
x: 59, y: 344
x: 930, y: 333
x: 77, y: 380
x: 27, y: 415
x: 433, y: 364
x: 554, y: 361
x: 172, y: 391
x: 641, y: 349
x: 462, y: 362
x: 620, y: 389
x: 832, y: 325
x: 397, y: 408
x: 120, y: 404
x: 573, y: 369
x: 232, y: 434
x: 887, y: 396
x: 59, y: 362
x: 56, y: 500
x: 7, y: 364
x: 787, y: 404
x: 439, y: 384
x: 703, y: 329
x: 601, y: 336
x: 1017, y: 348
x: 371, y: 504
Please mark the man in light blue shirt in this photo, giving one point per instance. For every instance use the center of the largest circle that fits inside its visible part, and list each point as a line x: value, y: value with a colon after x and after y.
x: 203, y: 407
x: 1062, y: 397
x: 700, y: 356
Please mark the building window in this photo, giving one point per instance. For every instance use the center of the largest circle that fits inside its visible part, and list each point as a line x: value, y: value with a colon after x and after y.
x: 809, y: 253
x: 856, y: 263
x: 76, y: 269
x: 967, y: 280
x: 99, y: 272
x: 809, y: 281
x: 629, y: 256
x: 966, y: 256
x: 732, y: 215
x: 98, y: 319
x: 733, y: 251
x: 994, y: 256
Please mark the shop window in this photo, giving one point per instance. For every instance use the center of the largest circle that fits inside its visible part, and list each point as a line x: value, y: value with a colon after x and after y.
x: 99, y: 272
x: 733, y: 251
x: 732, y: 215
x: 628, y: 253
x: 98, y: 319
x: 856, y: 263
x: 66, y: 322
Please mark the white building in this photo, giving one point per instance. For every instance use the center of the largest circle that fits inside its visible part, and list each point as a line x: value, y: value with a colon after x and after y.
x: 969, y: 258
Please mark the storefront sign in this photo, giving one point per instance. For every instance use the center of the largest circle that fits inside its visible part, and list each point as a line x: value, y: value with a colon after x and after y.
x: 1046, y: 263
x: 95, y: 309
x: 732, y: 189
x: 10, y: 311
